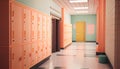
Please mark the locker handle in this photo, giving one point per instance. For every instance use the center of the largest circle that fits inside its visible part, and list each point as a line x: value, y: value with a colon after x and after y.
x: 20, y: 58
x: 32, y: 17
x: 25, y: 65
x: 13, y: 13
x: 24, y: 35
x: 30, y: 55
x: 24, y: 15
x: 36, y: 51
x: 13, y: 34
x: 24, y: 52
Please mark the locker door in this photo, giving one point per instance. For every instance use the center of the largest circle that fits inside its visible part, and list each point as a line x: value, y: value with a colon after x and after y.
x: 39, y: 26
x: 17, y: 58
x: 50, y: 35
x: 44, y: 36
x: 26, y: 25
x: 44, y: 28
x: 16, y: 24
x: 39, y: 58
x: 34, y: 25
x: 33, y: 54
x: 47, y: 33
x: 26, y: 56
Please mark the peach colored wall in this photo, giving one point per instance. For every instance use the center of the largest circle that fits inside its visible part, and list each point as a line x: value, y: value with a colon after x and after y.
x: 101, y: 26
x: 110, y: 30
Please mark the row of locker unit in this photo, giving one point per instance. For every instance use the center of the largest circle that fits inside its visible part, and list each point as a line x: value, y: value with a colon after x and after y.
x: 67, y: 34
x: 26, y: 56
x: 28, y: 25
x: 30, y: 36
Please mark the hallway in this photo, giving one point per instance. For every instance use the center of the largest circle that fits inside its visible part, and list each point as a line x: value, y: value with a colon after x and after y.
x: 31, y: 30
x: 78, y: 55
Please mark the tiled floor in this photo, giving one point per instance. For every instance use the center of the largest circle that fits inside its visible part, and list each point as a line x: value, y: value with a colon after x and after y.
x: 76, y: 56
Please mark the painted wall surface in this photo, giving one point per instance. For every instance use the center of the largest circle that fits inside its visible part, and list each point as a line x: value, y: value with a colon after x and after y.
x: 89, y: 19
x: 42, y: 5
x: 101, y: 26
x: 55, y: 9
x: 67, y: 17
x: 110, y: 30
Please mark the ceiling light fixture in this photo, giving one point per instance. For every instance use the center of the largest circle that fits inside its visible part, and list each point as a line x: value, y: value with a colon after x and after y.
x: 81, y: 11
x: 80, y: 8
x: 77, y: 1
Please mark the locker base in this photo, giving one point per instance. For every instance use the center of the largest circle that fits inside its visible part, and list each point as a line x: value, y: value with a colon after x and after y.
x: 66, y: 46
x: 40, y: 63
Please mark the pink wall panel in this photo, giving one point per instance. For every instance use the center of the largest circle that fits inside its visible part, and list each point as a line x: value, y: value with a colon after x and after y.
x: 90, y: 29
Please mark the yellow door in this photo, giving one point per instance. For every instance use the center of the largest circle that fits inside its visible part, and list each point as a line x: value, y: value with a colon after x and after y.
x: 80, y: 31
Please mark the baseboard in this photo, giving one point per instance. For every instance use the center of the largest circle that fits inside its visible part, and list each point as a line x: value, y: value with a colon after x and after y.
x: 67, y: 46
x: 100, y: 53
x: 40, y: 63
x: 87, y: 41
x: 90, y: 41
x: 110, y: 63
x: 73, y: 41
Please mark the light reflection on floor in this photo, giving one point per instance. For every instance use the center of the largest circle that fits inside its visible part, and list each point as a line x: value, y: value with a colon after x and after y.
x: 76, y: 56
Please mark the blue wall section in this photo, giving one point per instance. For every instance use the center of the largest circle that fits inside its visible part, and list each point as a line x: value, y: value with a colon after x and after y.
x: 89, y: 19
x: 42, y: 5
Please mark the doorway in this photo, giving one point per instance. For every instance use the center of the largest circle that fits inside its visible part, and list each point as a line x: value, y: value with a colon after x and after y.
x: 80, y: 31
x: 55, y: 35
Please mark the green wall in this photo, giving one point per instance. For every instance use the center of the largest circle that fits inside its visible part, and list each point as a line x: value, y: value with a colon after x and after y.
x: 42, y: 5
x: 89, y: 19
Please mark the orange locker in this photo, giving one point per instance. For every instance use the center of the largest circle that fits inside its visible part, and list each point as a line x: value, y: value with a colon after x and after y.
x: 39, y: 26
x: 16, y: 24
x: 34, y: 54
x: 44, y: 27
x: 16, y: 57
x: 34, y: 25
x: 49, y: 28
x: 43, y: 47
x: 26, y: 56
x: 49, y: 31
x: 39, y: 51
x: 26, y: 25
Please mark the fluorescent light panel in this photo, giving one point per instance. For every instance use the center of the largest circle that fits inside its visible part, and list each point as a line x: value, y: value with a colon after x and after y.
x: 79, y: 8
x: 77, y: 1
x: 82, y: 11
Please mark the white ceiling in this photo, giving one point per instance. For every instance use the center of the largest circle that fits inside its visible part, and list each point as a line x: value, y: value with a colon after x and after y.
x: 91, y: 4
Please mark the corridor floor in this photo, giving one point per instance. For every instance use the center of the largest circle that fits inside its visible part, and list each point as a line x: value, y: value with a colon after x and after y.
x: 76, y: 56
